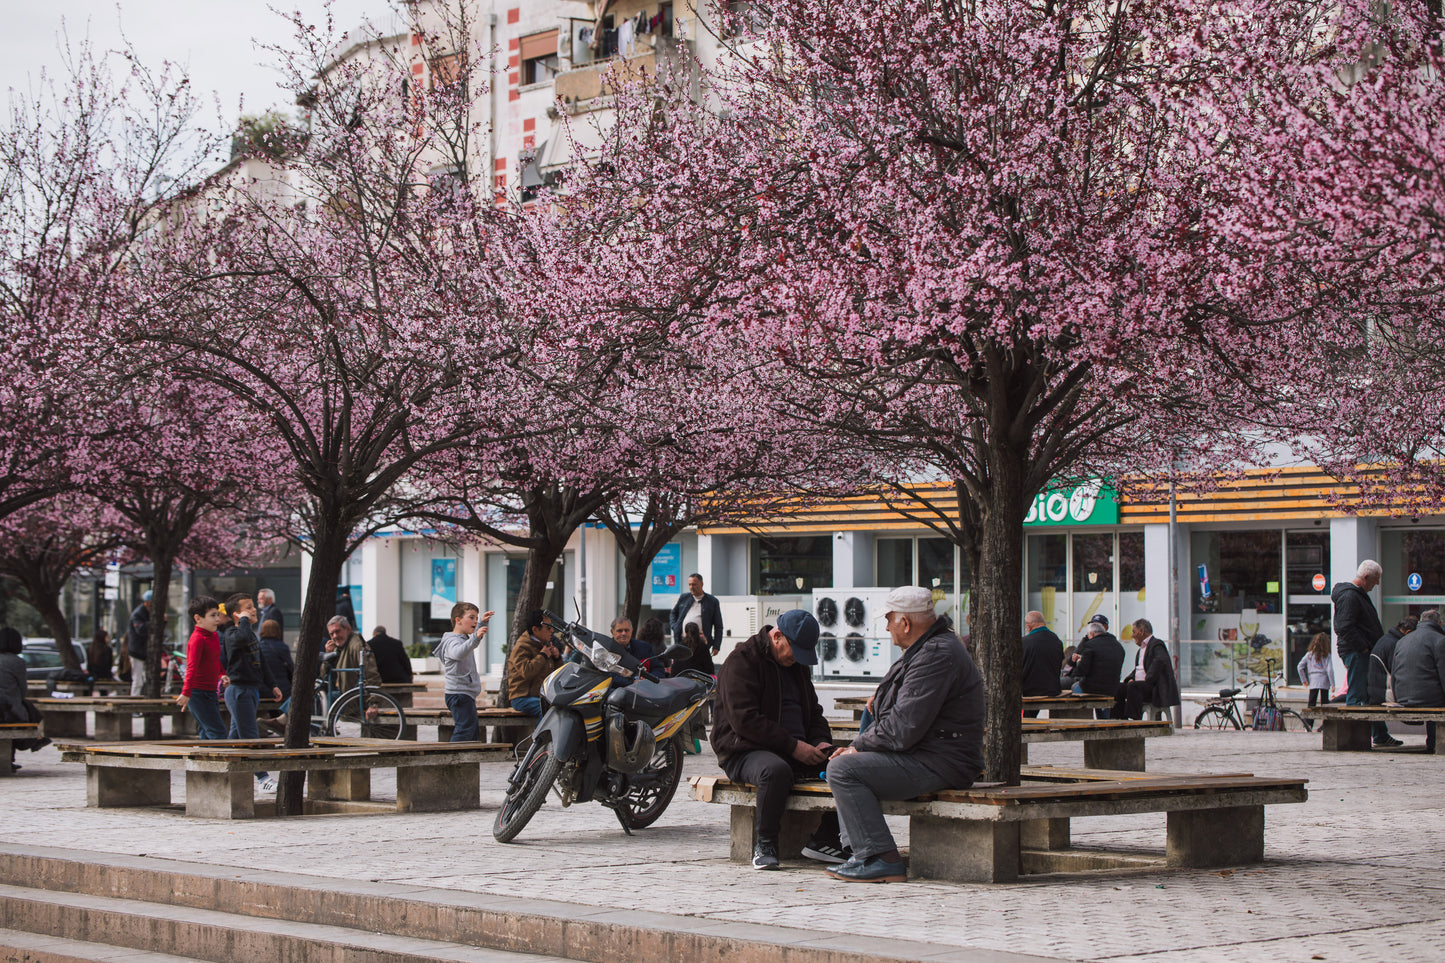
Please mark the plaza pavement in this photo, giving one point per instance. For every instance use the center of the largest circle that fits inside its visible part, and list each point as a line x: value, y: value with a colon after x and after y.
x: 1355, y: 874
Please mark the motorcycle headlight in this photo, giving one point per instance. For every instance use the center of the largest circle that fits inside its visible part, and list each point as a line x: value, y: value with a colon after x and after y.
x: 604, y: 658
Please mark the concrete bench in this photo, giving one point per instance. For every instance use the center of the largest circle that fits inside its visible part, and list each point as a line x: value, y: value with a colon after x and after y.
x: 67, y: 718
x: 1066, y: 706
x: 993, y: 834
x: 507, y: 725
x: 11, y: 733
x: 1108, y: 743
x: 220, y: 782
x: 1347, y: 728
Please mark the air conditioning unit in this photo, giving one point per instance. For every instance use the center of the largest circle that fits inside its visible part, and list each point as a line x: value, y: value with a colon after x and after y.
x: 853, y: 642
x: 744, y: 615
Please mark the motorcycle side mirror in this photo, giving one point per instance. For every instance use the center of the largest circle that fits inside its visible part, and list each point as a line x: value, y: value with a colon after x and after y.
x: 675, y: 653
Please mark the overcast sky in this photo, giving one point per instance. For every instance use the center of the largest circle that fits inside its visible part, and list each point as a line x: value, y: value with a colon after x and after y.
x: 216, y: 40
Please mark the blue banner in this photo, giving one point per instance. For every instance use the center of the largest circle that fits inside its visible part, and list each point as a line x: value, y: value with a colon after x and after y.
x: 443, y: 587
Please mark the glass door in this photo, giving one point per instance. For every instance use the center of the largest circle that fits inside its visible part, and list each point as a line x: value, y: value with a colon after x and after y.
x: 1307, y: 607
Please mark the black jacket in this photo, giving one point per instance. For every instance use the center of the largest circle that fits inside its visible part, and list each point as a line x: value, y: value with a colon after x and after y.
x: 1384, y: 651
x: 241, y: 654
x: 271, y: 613
x: 930, y: 705
x: 748, y: 705
x: 1101, y: 661
x: 1160, y: 686
x: 279, y: 663
x: 392, y: 662
x: 1419, y: 667
x: 1357, y: 624
x: 712, y: 627
x: 140, y: 631
x: 1043, y: 663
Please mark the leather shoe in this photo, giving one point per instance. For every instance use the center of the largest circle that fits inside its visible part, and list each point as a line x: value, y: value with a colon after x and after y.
x: 874, y: 869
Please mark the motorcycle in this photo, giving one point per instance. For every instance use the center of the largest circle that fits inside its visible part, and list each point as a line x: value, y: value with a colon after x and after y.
x: 602, y: 739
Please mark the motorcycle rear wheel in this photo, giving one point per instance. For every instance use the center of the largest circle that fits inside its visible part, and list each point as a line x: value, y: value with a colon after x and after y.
x: 645, y: 805
x: 523, y: 801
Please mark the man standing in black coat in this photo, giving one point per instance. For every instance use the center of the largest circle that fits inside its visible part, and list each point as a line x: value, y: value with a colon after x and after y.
x: 1043, y: 658
x: 270, y: 611
x: 1357, y: 629
x: 770, y: 731
x: 695, y: 605
x: 137, y: 643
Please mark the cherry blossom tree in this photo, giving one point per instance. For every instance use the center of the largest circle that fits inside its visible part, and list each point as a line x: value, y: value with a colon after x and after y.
x: 976, y: 241
x: 43, y: 546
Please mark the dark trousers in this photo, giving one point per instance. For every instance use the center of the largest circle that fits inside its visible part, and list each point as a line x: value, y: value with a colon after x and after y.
x: 1357, y: 675
x: 1323, y: 695
x: 1129, y: 699
x: 774, y: 777
x: 464, y: 716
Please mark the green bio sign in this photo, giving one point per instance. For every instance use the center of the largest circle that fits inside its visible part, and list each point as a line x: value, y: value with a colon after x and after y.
x: 1091, y: 504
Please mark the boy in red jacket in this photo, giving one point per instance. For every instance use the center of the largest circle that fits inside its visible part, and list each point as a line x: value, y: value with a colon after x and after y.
x: 203, y: 669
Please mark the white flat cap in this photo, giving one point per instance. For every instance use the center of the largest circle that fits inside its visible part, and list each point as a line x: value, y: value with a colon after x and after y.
x: 909, y: 600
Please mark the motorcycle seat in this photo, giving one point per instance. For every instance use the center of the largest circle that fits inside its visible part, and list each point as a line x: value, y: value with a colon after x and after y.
x: 654, y: 699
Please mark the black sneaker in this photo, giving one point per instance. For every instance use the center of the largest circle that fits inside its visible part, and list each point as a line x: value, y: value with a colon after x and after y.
x: 1389, y: 742
x: 827, y: 851
x: 765, y: 854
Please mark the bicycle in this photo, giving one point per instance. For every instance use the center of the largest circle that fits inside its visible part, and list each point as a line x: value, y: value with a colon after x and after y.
x: 355, y: 713
x: 1223, y: 711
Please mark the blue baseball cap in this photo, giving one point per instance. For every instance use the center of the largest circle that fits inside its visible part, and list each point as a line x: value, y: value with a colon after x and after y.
x: 801, y: 630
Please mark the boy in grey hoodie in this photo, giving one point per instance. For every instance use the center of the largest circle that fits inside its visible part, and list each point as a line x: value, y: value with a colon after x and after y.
x: 459, y: 668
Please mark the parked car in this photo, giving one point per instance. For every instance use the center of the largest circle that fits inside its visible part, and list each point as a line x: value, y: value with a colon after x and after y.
x: 42, y: 657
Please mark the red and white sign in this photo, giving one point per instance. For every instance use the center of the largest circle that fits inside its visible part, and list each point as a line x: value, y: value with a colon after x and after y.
x: 1318, y: 583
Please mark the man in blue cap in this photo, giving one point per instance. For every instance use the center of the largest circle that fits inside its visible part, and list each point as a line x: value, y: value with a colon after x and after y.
x: 770, y: 731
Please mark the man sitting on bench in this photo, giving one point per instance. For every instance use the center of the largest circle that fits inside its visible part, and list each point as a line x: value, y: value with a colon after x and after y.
x: 926, y: 734
x: 1419, y: 660
x: 770, y: 731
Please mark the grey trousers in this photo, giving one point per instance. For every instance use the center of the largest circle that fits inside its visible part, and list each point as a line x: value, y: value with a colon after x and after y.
x: 861, y: 779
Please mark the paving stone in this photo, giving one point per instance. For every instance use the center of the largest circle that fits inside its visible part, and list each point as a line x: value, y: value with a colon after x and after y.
x: 1355, y: 874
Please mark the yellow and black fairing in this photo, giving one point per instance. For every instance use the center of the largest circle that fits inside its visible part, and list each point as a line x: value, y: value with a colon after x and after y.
x: 581, y: 688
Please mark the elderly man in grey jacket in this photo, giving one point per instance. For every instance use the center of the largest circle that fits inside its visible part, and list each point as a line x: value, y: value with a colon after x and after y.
x: 1418, y: 665
x: 926, y: 735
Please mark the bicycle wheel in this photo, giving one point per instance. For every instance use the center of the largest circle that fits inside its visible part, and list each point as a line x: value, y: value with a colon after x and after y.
x: 647, y: 802
x: 1294, y: 722
x: 1215, y: 717
x: 529, y: 791
x: 318, y: 713
x: 379, y: 718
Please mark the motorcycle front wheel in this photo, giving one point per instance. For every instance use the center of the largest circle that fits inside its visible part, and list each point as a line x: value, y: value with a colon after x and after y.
x: 646, y: 804
x: 526, y: 797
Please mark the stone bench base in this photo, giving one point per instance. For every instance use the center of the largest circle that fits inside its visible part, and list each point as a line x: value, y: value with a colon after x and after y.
x: 220, y: 776
x: 981, y: 835
x: 1347, y: 728
x: 11, y: 733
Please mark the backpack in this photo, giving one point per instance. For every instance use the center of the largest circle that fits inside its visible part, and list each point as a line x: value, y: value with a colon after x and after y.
x: 1389, y: 678
x: 1268, y: 720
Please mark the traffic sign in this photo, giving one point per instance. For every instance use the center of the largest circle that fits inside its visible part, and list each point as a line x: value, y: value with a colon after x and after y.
x: 1414, y: 581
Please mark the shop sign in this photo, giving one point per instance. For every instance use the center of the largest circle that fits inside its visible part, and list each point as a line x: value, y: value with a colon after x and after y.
x: 1414, y: 581
x: 1318, y: 582
x: 1091, y: 504
x: 667, y: 568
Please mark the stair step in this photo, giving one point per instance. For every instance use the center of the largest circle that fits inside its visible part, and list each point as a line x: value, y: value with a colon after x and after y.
x: 116, y: 927
x: 17, y: 946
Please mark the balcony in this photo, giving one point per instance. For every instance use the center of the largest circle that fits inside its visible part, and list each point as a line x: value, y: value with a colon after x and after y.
x: 594, y: 80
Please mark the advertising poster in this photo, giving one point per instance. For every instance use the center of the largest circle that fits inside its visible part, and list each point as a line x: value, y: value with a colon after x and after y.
x: 443, y: 587
x: 667, y: 569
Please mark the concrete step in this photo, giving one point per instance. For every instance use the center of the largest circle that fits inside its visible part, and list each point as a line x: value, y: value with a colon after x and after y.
x: 20, y: 947
x: 258, y: 909
x: 111, y: 925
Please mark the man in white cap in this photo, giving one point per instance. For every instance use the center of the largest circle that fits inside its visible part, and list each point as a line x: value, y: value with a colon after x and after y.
x: 926, y: 735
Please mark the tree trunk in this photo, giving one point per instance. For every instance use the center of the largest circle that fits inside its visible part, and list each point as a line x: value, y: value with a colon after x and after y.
x: 635, y: 566
x: 995, y: 607
x: 43, y: 593
x: 540, y: 560
x: 163, y: 563
x: 328, y: 555
x: 49, y: 608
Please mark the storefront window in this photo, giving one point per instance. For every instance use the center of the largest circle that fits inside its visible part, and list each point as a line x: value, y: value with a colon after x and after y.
x: 787, y: 566
x: 935, y: 564
x: 1413, y: 552
x: 1237, y: 612
x: 1047, y: 579
x: 895, y: 561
